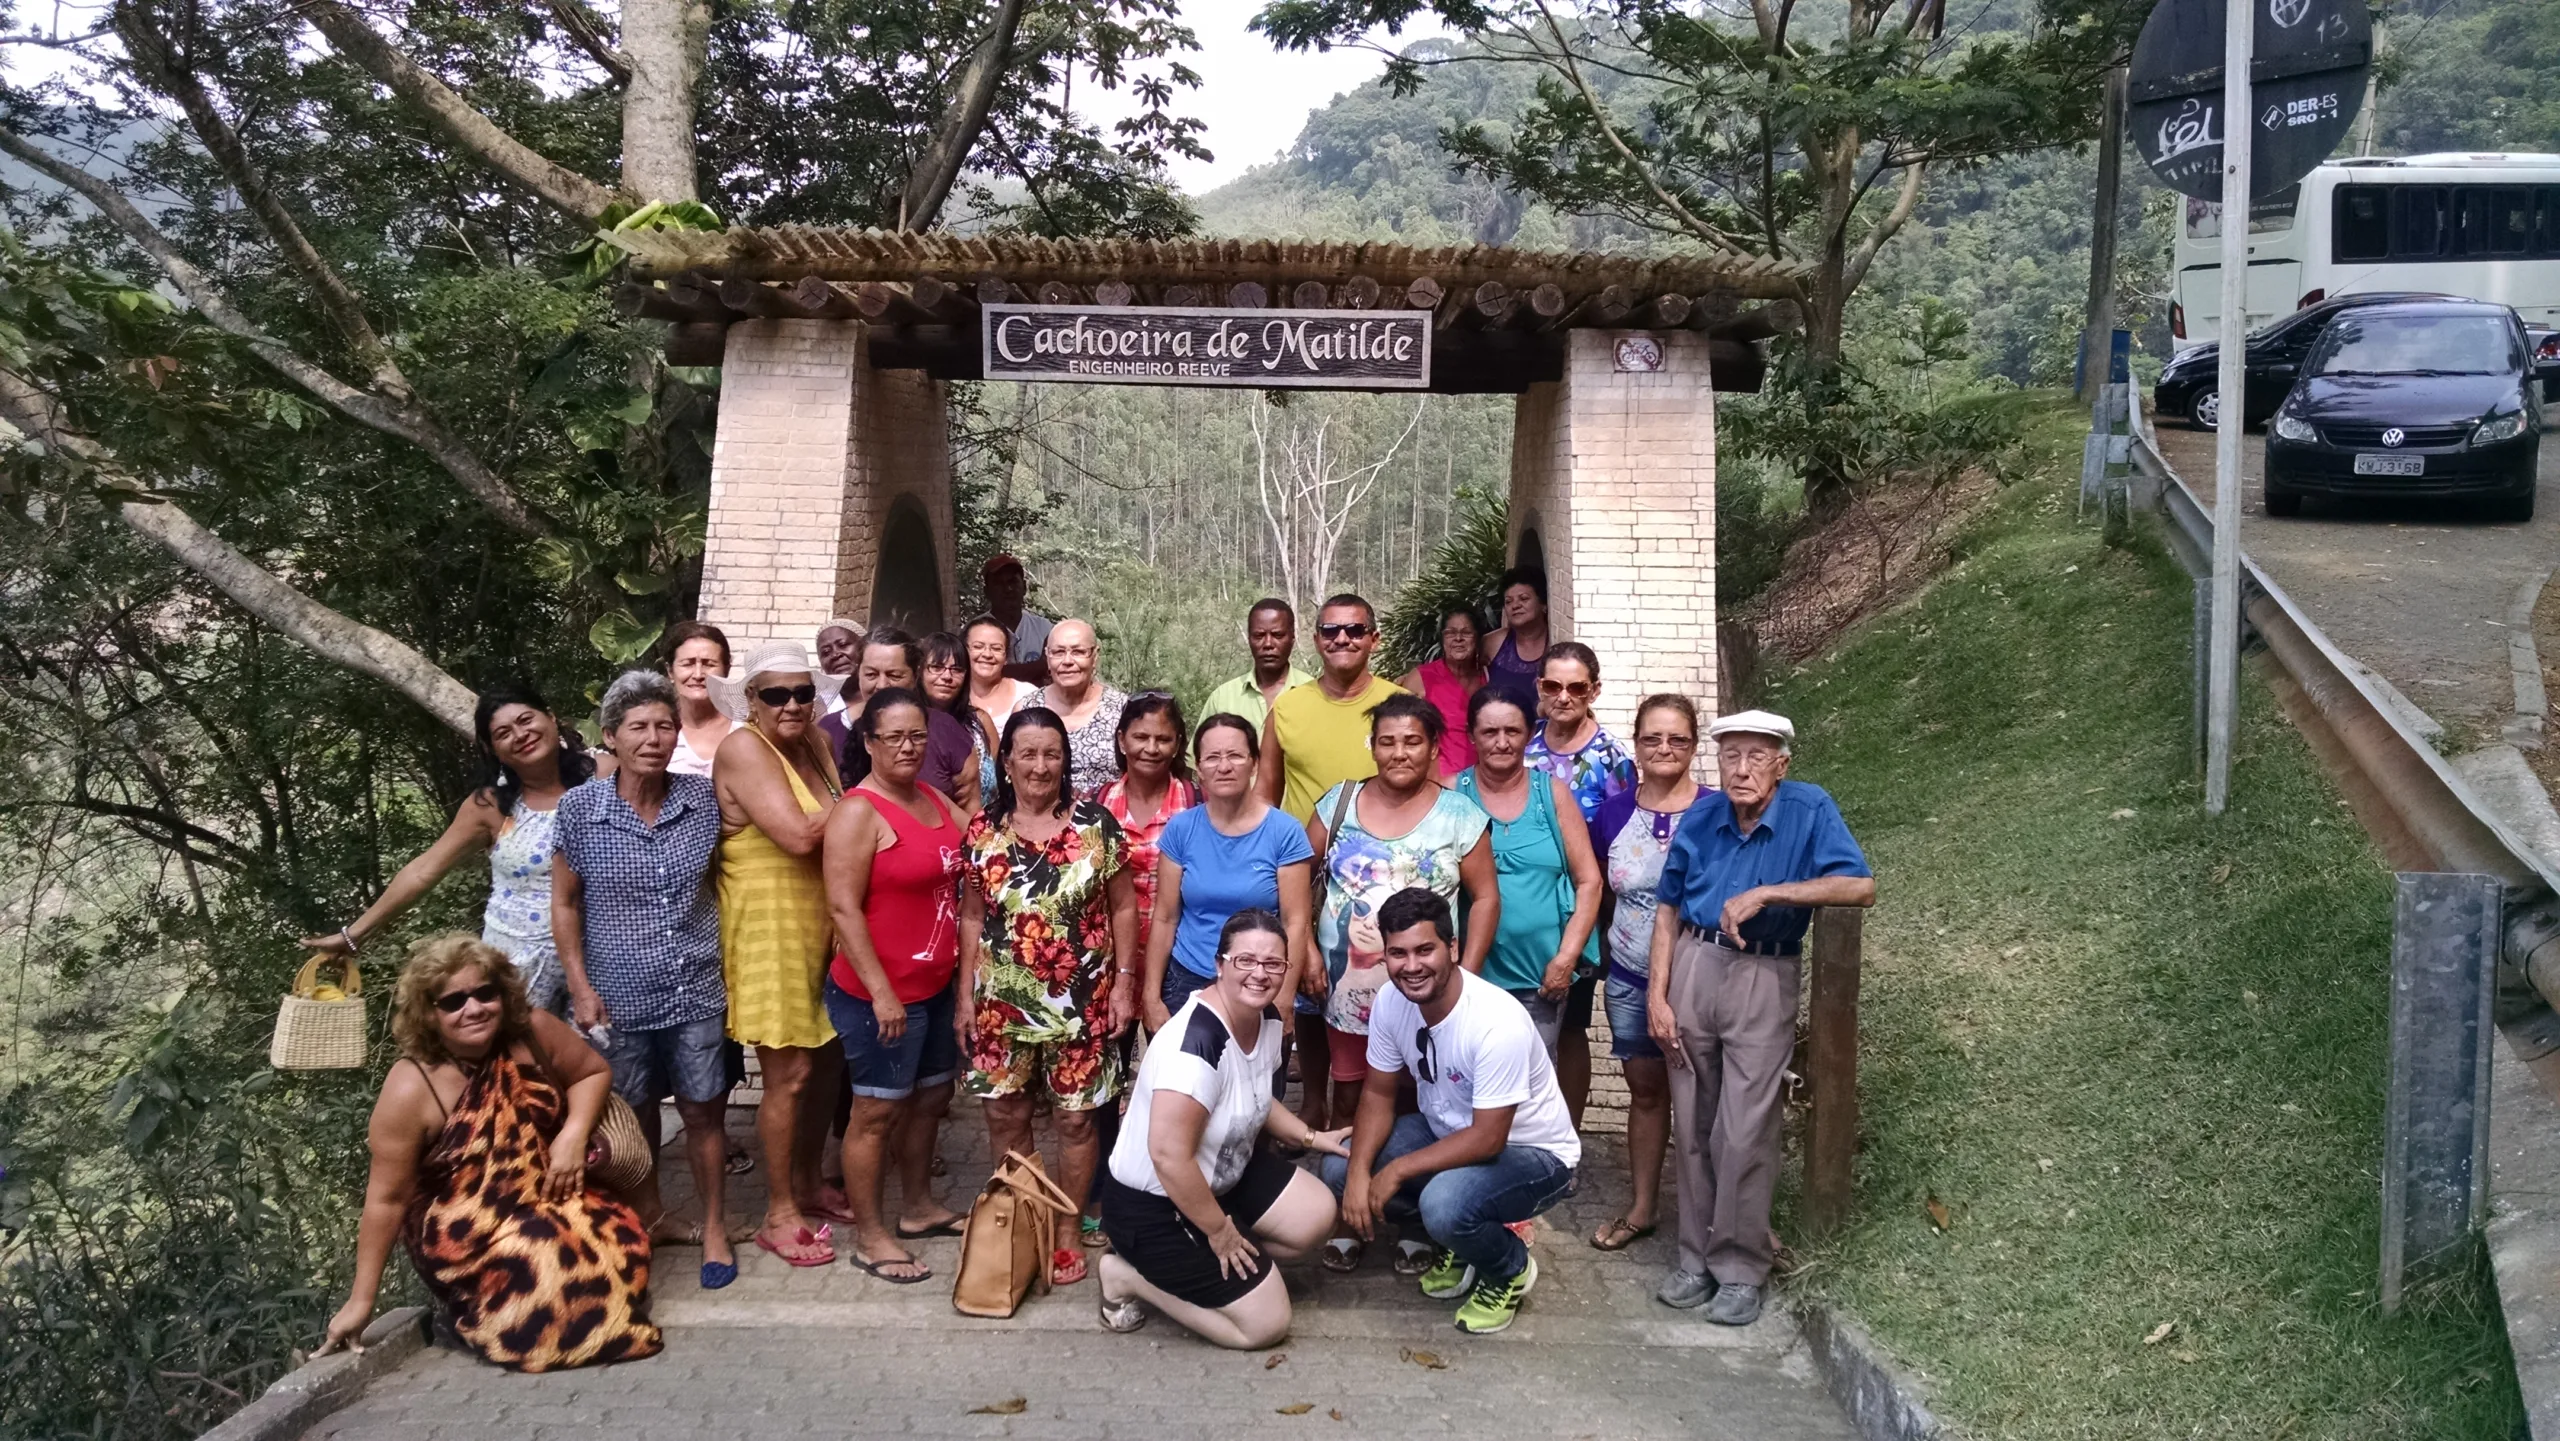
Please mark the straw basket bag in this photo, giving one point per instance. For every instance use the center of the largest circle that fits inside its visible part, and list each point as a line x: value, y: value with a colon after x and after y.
x: 618, y: 1156
x: 317, y: 1035
x: 1004, y: 1250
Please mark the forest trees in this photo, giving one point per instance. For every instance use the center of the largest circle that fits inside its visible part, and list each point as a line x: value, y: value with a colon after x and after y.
x: 1793, y: 130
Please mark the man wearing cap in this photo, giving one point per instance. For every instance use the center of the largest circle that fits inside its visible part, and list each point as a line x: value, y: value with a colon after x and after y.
x: 1005, y: 584
x: 1745, y: 869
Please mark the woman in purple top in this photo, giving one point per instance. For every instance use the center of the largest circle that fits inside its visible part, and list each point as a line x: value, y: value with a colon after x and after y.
x: 1633, y: 833
x: 891, y: 658
x: 1521, y: 644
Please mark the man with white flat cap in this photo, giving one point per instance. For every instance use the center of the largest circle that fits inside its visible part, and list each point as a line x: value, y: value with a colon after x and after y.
x: 1745, y: 870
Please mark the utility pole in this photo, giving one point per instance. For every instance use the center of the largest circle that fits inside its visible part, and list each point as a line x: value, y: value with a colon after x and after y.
x: 2372, y: 96
x: 2094, y: 339
x: 2222, y: 681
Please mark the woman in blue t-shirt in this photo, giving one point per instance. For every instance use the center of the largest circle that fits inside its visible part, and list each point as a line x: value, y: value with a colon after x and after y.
x: 1232, y: 852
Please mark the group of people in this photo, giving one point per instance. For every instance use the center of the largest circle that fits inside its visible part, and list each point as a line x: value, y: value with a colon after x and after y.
x: 968, y: 861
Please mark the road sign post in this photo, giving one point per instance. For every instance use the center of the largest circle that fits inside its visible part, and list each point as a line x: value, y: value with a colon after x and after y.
x: 2290, y: 75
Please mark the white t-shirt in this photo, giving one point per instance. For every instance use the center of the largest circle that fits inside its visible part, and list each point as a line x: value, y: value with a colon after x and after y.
x: 1196, y: 1055
x: 1484, y: 1055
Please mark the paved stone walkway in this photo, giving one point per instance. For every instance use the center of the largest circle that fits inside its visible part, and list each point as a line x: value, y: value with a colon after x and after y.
x: 833, y: 1352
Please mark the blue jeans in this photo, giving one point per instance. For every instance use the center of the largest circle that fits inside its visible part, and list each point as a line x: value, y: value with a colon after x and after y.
x: 1469, y: 1210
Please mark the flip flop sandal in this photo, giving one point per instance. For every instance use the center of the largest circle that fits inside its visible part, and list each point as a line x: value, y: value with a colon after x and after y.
x: 1413, y: 1258
x: 827, y: 1211
x: 1626, y: 1234
x: 1089, y: 1231
x: 1342, y: 1254
x: 716, y: 1274
x: 1065, y: 1267
x: 925, y: 1273
x: 739, y: 1162
x: 939, y: 1228
x: 806, y: 1237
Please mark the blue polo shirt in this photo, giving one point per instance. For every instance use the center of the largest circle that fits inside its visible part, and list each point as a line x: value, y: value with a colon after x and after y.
x: 1800, y: 837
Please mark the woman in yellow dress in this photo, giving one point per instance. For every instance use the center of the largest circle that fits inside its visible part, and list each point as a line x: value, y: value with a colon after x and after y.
x: 777, y: 783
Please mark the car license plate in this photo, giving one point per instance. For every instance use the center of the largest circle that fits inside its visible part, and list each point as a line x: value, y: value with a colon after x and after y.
x: 2391, y: 465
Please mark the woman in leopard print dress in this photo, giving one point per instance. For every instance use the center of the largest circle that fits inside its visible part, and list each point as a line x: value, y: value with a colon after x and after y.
x: 479, y: 1156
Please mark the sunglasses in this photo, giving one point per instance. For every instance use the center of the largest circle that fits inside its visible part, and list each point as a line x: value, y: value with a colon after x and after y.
x: 1349, y: 630
x: 1250, y: 964
x: 778, y: 696
x: 452, y: 1002
x: 1425, y: 1064
x: 1578, y: 689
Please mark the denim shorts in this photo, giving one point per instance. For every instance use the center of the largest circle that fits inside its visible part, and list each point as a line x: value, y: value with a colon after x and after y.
x: 1180, y: 981
x: 1546, y: 1015
x: 926, y: 1054
x: 682, y: 1061
x: 1629, y: 1039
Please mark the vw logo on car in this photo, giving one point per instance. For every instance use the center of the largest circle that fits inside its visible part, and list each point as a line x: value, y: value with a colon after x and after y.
x: 2394, y: 436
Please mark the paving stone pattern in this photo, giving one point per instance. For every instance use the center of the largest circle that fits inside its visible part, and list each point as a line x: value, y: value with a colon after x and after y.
x: 833, y: 1352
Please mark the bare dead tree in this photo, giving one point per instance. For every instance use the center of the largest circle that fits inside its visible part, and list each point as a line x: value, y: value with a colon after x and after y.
x: 1310, y: 491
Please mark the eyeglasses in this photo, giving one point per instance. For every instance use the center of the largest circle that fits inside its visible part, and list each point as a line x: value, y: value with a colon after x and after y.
x: 900, y: 740
x: 1658, y: 741
x: 1251, y: 965
x: 452, y: 1002
x: 778, y: 696
x: 1578, y: 689
x: 1347, y: 630
x: 943, y: 665
x: 1425, y: 1064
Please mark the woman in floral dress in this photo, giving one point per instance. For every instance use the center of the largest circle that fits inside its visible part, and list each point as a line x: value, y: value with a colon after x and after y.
x: 1048, y: 960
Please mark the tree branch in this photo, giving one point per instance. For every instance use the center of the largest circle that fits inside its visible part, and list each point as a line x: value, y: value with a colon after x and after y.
x: 562, y: 189
x: 32, y: 413
x: 587, y: 33
x: 155, y: 59
x: 1643, y: 172
x: 929, y: 184
x: 399, y: 416
x: 663, y: 40
x: 1884, y: 229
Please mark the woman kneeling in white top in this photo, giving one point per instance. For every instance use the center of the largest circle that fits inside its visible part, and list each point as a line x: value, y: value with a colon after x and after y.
x: 1192, y: 1173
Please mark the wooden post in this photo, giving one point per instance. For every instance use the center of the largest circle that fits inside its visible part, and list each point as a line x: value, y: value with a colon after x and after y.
x: 1831, y: 1067
x: 2099, y: 328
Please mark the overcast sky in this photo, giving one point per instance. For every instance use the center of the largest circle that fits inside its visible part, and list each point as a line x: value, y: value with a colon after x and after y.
x: 1255, y: 99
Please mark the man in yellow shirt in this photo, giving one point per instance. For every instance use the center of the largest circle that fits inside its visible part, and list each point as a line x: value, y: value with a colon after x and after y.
x: 1318, y: 733
x: 1271, y: 633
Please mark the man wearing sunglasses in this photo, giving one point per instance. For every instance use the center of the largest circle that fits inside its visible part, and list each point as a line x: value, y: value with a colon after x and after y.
x: 1746, y: 868
x: 1492, y: 1145
x: 1318, y: 733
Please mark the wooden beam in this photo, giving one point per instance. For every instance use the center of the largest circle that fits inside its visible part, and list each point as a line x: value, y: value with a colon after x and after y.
x: 1114, y: 292
x: 1492, y: 303
x: 1601, y: 308
x: 1543, y: 305
x: 1714, y: 309
x: 677, y: 302
x: 1665, y: 312
x: 1248, y: 295
x: 1831, y: 1065
x: 766, y: 302
x: 996, y: 290
x: 1424, y: 293
x: 1358, y: 293
x: 1183, y: 296
x: 699, y: 342
x: 1762, y: 321
x: 1311, y: 295
x: 821, y: 300
x: 1058, y: 292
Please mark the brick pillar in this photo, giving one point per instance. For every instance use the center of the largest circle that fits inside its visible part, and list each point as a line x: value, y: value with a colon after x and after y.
x: 1617, y: 470
x: 813, y: 449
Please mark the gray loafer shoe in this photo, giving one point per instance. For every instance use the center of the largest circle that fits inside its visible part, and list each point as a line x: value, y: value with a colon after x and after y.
x: 1735, y: 1306
x: 1686, y: 1290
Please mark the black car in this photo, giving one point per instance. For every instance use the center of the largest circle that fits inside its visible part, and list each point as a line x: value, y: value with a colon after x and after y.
x: 2190, y: 388
x: 2425, y: 398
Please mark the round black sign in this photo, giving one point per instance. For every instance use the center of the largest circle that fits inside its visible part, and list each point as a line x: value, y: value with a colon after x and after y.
x: 2306, y: 84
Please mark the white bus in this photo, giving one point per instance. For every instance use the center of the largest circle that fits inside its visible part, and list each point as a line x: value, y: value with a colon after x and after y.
x: 2484, y: 227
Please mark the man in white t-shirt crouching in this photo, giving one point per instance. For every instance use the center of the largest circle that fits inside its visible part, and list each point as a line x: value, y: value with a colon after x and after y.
x: 1493, y: 1145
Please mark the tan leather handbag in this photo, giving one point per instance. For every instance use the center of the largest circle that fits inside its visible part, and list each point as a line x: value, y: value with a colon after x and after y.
x: 1004, y: 1250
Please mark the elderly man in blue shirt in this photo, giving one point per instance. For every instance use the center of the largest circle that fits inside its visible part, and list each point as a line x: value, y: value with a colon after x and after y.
x: 1746, y: 868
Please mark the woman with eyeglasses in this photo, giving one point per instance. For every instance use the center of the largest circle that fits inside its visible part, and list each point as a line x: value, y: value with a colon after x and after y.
x: 1633, y: 835
x: 891, y: 659
x: 1448, y: 679
x: 479, y: 1143
x: 893, y: 889
x: 531, y: 762
x: 1048, y: 960
x: 1398, y: 830
x: 776, y: 783
x: 1569, y: 743
x: 1549, y: 876
x: 944, y: 679
x: 1233, y: 852
x: 1197, y: 1203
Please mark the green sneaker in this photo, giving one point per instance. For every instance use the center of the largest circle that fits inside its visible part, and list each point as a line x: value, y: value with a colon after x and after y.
x: 1493, y: 1304
x: 1448, y: 1278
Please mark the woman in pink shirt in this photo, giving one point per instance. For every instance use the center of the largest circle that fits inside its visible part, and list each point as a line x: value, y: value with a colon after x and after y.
x: 1449, y: 679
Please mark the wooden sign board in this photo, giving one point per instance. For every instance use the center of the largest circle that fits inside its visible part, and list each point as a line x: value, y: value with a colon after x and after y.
x: 1167, y: 345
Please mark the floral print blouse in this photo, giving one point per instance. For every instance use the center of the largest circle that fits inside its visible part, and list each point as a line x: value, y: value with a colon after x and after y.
x: 1047, y: 975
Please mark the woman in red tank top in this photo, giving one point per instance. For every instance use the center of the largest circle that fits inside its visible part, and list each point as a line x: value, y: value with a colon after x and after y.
x: 893, y: 860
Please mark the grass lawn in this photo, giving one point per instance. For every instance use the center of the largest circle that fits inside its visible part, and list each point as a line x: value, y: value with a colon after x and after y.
x: 2136, y: 1054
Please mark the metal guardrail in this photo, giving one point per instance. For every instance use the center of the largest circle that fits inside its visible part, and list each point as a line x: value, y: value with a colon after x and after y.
x: 2418, y: 808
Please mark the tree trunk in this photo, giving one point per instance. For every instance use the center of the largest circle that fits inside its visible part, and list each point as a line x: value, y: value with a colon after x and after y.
x: 1826, y: 477
x: 663, y: 39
